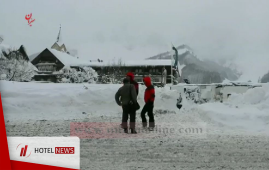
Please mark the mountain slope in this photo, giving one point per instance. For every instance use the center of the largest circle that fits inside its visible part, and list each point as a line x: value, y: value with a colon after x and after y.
x: 198, y: 71
x: 167, y: 55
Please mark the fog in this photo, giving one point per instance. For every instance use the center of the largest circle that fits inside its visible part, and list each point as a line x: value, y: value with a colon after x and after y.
x: 236, y: 30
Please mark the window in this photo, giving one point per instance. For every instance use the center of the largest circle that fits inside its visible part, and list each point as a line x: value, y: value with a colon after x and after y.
x: 46, y: 68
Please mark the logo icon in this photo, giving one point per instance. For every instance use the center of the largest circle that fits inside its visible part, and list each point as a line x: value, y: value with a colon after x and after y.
x: 28, y: 18
x: 23, y: 151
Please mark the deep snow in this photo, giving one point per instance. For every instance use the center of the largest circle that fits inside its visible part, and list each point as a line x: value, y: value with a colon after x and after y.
x: 49, y: 101
x: 248, y: 112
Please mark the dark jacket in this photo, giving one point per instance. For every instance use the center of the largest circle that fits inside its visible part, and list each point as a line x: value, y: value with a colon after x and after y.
x: 132, y: 81
x: 125, y: 94
x: 149, y: 96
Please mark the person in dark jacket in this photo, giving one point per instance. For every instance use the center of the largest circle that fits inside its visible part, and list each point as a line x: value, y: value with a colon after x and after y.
x: 149, y: 98
x: 124, y: 95
x: 130, y: 76
x: 132, y: 81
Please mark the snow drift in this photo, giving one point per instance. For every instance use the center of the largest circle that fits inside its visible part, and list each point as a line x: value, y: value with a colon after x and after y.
x: 248, y: 111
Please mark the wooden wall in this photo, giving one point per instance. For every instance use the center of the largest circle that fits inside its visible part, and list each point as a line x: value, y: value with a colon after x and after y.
x: 47, y: 56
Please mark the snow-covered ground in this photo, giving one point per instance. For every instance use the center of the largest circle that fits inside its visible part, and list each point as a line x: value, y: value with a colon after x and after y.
x: 49, y: 101
x: 47, y: 109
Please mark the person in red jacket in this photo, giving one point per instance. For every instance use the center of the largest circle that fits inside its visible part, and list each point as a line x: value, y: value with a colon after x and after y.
x: 149, y: 98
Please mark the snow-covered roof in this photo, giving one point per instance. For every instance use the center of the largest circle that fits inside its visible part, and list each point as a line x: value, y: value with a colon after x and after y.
x: 134, y: 63
x: 73, y: 52
x: 67, y: 59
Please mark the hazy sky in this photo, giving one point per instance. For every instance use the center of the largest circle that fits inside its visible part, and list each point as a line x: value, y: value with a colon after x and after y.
x: 138, y: 29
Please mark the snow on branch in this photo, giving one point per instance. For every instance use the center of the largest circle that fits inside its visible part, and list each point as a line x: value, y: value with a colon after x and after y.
x: 77, y: 75
x: 15, y: 66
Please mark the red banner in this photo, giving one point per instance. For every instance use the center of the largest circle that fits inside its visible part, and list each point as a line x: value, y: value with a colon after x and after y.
x: 5, y: 161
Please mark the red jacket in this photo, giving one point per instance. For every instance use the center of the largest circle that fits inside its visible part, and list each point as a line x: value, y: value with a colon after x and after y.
x: 150, y: 91
x: 132, y: 81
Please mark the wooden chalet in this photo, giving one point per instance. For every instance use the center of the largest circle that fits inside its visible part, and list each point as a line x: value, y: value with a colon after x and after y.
x: 50, y: 61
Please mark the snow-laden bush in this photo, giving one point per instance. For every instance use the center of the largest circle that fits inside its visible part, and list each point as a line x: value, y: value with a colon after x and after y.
x: 265, y: 78
x: 77, y: 75
x: 91, y: 74
x: 14, y: 66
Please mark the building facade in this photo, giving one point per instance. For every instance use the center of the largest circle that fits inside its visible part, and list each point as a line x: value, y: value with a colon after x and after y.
x: 114, y: 73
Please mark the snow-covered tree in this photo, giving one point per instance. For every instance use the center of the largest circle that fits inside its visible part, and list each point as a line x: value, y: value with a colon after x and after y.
x: 77, y: 75
x: 91, y: 74
x: 265, y: 78
x: 15, y: 66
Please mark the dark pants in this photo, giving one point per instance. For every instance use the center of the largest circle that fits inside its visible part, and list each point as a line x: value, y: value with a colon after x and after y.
x: 148, y: 108
x: 128, y: 110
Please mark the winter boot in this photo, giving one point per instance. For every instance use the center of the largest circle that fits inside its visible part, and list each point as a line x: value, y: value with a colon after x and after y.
x: 151, y: 124
x: 144, y: 124
x: 125, y: 130
x: 133, y: 131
